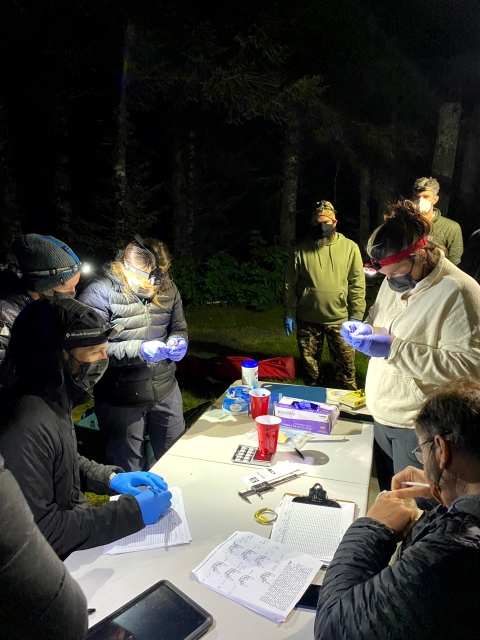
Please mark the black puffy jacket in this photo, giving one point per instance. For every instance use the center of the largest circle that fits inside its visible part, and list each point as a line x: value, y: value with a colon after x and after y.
x: 39, y: 597
x: 129, y: 380
x: 430, y: 592
x: 10, y: 307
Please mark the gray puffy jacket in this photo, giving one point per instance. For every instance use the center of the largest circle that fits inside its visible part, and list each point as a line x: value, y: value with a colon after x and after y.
x: 129, y: 380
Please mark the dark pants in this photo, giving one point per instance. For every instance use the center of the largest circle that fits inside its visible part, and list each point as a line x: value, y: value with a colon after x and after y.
x: 310, y: 338
x: 125, y: 428
x: 393, y: 452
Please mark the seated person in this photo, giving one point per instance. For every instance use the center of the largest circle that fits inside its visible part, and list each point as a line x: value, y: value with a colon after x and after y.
x: 431, y: 589
x: 40, y: 599
x: 56, y: 353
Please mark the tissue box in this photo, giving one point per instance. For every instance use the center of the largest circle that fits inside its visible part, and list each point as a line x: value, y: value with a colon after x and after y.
x: 303, y: 415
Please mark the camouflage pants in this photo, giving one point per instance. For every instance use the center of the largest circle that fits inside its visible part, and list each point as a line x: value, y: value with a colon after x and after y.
x: 310, y: 344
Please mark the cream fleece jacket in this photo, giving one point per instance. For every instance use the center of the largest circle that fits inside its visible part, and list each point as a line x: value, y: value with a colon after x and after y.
x: 436, y: 330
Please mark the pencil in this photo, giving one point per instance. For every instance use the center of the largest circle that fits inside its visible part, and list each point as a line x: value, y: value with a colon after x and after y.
x: 299, y: 453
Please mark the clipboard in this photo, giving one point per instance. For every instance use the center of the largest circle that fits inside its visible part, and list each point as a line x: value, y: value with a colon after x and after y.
x: 317, y: 533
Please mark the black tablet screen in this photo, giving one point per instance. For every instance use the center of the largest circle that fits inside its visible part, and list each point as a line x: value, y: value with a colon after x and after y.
x: 161, y: 615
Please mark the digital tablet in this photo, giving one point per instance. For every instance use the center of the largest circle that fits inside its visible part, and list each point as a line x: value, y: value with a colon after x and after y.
x: 162, y: 612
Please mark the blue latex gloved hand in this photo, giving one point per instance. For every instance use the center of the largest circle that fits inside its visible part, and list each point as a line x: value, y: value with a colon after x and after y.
x: 354, y: 328
x: 177, y: 347
x: 153, y: 504
x: 376, y: 345
x: 290, y: 325
x: 154, y: 351
x: 128, y: 482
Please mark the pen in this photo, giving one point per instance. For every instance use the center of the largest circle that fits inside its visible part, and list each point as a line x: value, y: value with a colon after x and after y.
x: 299, y: 453
x: 416, y: 484
x: 90, y: 611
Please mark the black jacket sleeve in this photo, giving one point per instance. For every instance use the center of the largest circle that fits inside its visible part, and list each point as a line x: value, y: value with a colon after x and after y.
x: 39, y: 597
x: 363, y: 597
x: 8, y: 313
x: 94, y: 477
x: 178, y: 325
x: 33, y: 464
x: 121, y: 353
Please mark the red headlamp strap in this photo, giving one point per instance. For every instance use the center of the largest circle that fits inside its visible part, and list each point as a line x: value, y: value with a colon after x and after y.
x: 403, y: 254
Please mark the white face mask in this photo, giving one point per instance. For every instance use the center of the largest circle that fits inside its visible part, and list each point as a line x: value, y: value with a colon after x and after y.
x: 423, y: 204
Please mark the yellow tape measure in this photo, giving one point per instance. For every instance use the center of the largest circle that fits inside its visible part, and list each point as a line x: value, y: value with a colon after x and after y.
x: 261, y: 516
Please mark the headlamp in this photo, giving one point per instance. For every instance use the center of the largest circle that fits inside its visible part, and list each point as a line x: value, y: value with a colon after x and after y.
x: 372, y: 267
x: 156, y: 276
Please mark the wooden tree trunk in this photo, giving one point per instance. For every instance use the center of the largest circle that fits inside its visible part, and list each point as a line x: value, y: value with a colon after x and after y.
x: 63, y: 193
x: 365, y: 190
x: 11, y: 224
x: 471, y: 165
x: 445, y: 150
x: 120, y: 158
x: 183, y: 187
x: 291, y: 170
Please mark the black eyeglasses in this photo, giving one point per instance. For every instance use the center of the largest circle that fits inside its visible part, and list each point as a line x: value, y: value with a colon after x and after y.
x: 417, y: 452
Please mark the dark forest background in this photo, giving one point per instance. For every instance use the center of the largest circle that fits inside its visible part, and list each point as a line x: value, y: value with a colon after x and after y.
x: 201, y: 122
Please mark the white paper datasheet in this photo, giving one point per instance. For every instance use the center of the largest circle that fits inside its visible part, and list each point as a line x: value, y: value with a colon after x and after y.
x: 264, y: 576
x: 171, y: 530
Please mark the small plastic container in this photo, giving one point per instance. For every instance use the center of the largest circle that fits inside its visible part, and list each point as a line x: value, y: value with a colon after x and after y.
x: 250, y: 373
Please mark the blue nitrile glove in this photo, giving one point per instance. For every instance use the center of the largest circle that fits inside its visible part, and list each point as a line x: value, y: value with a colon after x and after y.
x: 128, y: 482
x: 153, y: 504
x: 290, y: 325
x: 376, y: 345
x: 154, y: 350
x: 177, y: 347
x: 354, y: 328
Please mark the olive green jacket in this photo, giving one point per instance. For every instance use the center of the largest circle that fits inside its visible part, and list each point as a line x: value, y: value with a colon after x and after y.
x: 325, y: 283
x: 448, y: 233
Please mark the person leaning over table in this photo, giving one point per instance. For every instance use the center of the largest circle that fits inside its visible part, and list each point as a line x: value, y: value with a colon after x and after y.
x: 324, y: 285
x: 430, y: 591
x: 422, y: 330
x: 139, y: 393
x: 39, y: 597
x: 56, y: 353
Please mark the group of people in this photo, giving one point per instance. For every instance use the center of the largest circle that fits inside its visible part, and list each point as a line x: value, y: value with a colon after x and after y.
x: 126, y: 336
x: 423, y: 389
x: 122, y: 337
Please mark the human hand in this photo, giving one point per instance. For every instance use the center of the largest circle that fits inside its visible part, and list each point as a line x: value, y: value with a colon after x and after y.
x: 154, y: 350
x: 128, y: 482
x: 376, y: 345
x: 411, y: 474
x: 290, y: 325
x: 355, y: 328
x: 391, y: 512
x: 177, y: 347
x: 153, y: 504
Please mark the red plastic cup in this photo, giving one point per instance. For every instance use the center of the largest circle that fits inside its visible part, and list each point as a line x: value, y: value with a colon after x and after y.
x: 268, y: 428
x: 259, y: 399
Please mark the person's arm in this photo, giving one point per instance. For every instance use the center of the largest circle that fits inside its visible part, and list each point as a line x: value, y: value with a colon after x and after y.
x: 363, y: 597
x: 356, y: 286
x: 178, y: 325
x: 120, y: 352
x: 40, y: 598
x: 33, y: 462
x: 290, y: 286
x: 455, y: 245
x: 458, y: 351
x: 94, y: 477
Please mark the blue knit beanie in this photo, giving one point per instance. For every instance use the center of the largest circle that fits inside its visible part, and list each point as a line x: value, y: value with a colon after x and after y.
x: 44, y: 261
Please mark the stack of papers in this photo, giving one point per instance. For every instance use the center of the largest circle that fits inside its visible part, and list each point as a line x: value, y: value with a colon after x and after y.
x: 264, y: 576
x: 267, y: 474
x: 312, y: 529
x: 171, y: 530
